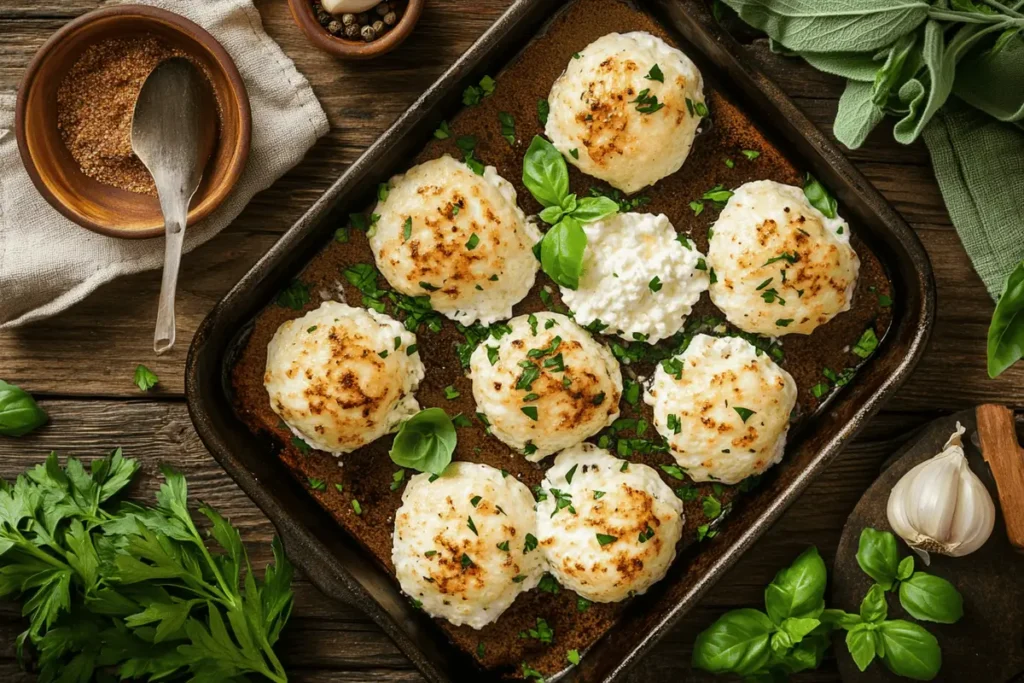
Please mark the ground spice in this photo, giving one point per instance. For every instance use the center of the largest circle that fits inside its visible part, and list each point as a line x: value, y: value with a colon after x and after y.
x: 95, y: 104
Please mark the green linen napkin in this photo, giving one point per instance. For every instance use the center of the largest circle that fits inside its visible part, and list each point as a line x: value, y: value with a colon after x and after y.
x: 979, y: 163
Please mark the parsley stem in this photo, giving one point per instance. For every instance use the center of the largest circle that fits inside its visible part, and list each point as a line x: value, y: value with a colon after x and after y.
x: 27, y: 546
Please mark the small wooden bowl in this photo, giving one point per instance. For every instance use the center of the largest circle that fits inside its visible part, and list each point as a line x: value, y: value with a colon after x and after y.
x: 58, y: 177
x: 305, y: 17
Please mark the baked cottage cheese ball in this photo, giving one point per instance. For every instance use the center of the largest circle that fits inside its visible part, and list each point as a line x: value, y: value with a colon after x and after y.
x: 546, y: 385
x: 782, y: 266
x: 723, y: 409
x: 626, y: 110
x: 460, y: 543
x: 341, y: 377
x: 638, y: 278
x: 445, y: 232
x: 608, y: 527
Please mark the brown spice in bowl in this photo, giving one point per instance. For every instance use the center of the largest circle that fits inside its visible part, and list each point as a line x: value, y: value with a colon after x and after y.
x: 95, y: 105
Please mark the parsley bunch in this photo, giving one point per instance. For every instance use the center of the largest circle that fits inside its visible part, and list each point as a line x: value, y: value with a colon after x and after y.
x: 123, y: 590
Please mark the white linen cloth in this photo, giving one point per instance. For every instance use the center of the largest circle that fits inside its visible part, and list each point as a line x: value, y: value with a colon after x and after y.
x: 48, y: 263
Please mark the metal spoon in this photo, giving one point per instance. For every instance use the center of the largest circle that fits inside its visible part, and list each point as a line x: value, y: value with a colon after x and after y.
x: 173, y: 133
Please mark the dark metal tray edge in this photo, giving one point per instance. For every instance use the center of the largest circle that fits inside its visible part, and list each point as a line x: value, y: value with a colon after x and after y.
x: 306, y: 538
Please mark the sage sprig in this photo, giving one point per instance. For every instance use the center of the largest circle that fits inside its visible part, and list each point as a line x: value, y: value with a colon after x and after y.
x: 546, y: 176
x: 901, y: 58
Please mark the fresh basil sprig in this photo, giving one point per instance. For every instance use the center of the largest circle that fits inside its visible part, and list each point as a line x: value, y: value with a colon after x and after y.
x: 546, y: 176
x: 19, y: 412
x: 425, y: 442
x: 1006, y: 331
x: 788, y: 639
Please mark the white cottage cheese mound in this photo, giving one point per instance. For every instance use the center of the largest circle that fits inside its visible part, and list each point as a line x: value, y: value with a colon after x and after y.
x: 459, y: 238
x: 595, y: 111
x: 782, y: 266
x: 546, y: 385
x: 340, y: 377
x: 726, y: 415
x: 616, y: 531
x: 460, y: 543
x: 637, y: 277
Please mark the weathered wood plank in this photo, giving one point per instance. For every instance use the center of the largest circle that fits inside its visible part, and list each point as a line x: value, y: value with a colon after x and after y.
x: 327, y: 636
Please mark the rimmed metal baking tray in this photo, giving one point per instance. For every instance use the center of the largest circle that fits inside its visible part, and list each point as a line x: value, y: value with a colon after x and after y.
x: 338, y: 565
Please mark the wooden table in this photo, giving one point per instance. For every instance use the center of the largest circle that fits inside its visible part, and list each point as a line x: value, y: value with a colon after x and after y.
x: 80, y: 364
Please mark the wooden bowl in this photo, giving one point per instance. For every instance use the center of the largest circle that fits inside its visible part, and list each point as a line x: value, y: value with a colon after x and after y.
x: 58, y: 177
x: 305, y: 17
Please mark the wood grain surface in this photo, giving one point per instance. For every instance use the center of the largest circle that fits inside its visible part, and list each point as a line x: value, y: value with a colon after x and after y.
x: 81, y: 362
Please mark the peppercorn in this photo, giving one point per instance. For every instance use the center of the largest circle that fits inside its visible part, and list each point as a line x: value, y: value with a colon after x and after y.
x: 383, y: 8
x: 390, y: 18
x: 378, y: 27
x: 323, y: 17
x: 352, y: 31
x: 334, y: 27
x: 368, y: 33
x: 348, y: 19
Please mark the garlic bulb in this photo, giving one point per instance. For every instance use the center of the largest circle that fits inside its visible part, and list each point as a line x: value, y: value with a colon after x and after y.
x: 941, y: 506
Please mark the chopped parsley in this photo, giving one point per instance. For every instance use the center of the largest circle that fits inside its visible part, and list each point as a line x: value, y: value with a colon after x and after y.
x: 508, y: 127
x: 605, y: 539
x: 744, y: 413
x: 655, y: 74
x: 317, y: 484
x: 472, y: 242
x: 543, y: 109
x: 751, y: 154
x: 655, y: 284
x: 530, y: 412
x: 472, y: 526
x: 674, y: 471
x: 867, y: 343
x: 646, y: 103
x: 443, y: 131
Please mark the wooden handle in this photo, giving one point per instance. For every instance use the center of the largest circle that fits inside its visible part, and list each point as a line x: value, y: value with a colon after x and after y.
x: 1005, y: 458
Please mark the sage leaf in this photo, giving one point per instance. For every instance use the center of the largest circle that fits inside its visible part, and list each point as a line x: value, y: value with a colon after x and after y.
x: 931, y: 598
x: 1006, y: 331
x: 19, y: 412
x: 889, y: 76
x: 798, y: 591
x: 738, y: 642
x: 545, y: 173
x: 909, y: 650
x: 994, y: 82
x: 833, y: 25
x: 861, y: 643
x: 425, y: 442
x: 873, y: 607
x: 877, y: 556
x: 561, y: 252
x: 941, y: 67
x: 850, y: 65
x: 857, y: 116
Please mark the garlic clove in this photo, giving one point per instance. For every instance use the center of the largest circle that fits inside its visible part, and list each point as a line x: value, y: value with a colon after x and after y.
x: 348, y: 6
x: 974, y: 529
x: 941, y: 506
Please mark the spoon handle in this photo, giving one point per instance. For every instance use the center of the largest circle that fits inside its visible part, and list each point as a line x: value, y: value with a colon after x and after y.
x: 164, y: 336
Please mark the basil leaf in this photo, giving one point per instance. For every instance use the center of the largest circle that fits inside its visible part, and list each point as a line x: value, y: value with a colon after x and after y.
x: 1006, y: 331
x: 798, y: 590
x: 877, y: 556
x: 544, y: 172
x: 931, y: 598
x: 19, y: 413
x: 833, y: 25
x: 738, y: 642
x: 552, y: 214
x: 561, y: 253
x: 807, y: 654
x: 905, y: 568
x: 819, y: 197
x: 799, y: 628
x: 861, y: 643
x: 425, y: 442
x: 840, y: 619
x: 909, y: 650
x: 590, y: 209
x: 873, y: 607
